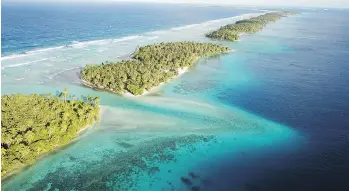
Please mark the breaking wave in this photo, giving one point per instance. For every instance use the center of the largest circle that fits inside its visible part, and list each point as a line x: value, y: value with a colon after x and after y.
x: 148, y: 35
x: 23, y: 63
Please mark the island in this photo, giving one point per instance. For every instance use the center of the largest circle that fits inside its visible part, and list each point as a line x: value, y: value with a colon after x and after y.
x: 150, y: 66
x: 35, y: 124
x: 232, y: 32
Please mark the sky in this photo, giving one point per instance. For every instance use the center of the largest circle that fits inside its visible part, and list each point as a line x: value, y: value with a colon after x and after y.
x: 323, y: 3
x: 300, y: 3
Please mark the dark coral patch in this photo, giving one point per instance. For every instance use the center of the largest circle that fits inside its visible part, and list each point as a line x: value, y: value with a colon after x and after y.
x: 195, y: 188
x: 193, y: 175
x: 186, y: 181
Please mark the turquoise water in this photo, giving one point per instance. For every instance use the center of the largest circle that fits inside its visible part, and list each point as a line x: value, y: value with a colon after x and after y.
x: 217, y: 127
x: 151, y: 142
x: 143, y: 150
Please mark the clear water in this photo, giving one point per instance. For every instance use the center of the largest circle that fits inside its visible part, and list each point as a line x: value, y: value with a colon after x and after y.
x: 36, y: 26
x: 269, y: 116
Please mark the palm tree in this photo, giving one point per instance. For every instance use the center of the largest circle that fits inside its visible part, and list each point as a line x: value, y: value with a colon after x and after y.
x: 96, y: 100
x: 64, y: 94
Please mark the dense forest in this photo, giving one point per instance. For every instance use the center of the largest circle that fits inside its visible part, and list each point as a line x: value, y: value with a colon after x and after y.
x: 35, y: 124
x: 150, y: 66
x: 231, y: 32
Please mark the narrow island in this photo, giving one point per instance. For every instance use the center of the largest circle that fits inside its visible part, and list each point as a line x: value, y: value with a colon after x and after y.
x: 150, y: 66
x: 35, y: 124
x: 232, y: 32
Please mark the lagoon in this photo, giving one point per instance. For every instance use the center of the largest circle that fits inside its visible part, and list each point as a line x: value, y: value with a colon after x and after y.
x: 230, y: 116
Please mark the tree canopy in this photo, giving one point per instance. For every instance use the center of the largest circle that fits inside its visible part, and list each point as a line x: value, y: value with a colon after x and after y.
x: 150, y: 66
x: 231, y: 32
x: 35, y: 124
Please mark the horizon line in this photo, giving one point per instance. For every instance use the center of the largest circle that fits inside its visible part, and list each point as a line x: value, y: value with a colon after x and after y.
x: 166, y: 2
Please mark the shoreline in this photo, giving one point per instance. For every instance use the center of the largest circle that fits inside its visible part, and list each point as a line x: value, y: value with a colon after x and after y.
x: 180, y: 71
x: 79, y: 134
x: 233, y: 32
x: 34, y: 51
x: 128, y: 94
x: 24, y: 167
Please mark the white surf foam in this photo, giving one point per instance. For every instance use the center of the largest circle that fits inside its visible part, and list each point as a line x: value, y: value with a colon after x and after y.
x: 43, y: 50
x: 206, y: 23
x: 184, y: 27
x: 132, y: 37
x: 30, y: 52
x: 23, y: 63
x: 84, y: 44
x: 61, y: 71
x: 12, y: 56
x: 156, y: 32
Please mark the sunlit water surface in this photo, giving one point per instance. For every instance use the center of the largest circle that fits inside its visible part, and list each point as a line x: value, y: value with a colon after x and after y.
x: 232, y: 122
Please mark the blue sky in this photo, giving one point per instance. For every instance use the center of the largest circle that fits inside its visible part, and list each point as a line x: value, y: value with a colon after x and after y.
x: 322, y: 3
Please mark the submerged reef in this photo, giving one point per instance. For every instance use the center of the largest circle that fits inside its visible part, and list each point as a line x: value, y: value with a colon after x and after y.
x: 117, y: 170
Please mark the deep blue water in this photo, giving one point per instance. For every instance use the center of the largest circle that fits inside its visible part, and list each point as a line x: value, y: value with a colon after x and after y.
x: 304, y: 86
x: 32, y: 26
x: 294, y: 72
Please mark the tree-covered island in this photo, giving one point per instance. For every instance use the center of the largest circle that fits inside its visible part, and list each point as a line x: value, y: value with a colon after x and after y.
x: 34, y: 124
x: 231, y: 32
x: 150, y: 65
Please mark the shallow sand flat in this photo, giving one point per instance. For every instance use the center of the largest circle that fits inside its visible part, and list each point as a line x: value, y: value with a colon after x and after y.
x: 46, y: 66
x: 150, y: 147
x: 154, y: 140
x: 181, y: 71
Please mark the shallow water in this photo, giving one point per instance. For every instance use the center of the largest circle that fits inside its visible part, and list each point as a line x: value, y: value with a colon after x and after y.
x: 239, y: 121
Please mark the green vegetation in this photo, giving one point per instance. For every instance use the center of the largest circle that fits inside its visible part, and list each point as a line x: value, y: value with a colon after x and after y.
x: 231, y: 32
x: 150, y: 66
x: 35, y: 124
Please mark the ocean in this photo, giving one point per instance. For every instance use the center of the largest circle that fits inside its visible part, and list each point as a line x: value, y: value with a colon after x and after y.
x: 271, y: 115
